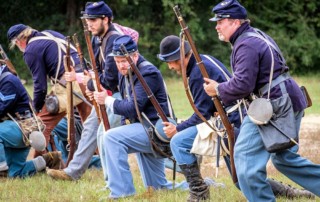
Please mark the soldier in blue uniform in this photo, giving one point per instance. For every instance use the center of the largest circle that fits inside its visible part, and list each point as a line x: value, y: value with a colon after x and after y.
x: 98, y: 16
x: 13, y: 151
x: 251, y: 61
x: 183, y: 134
x: 41, y: 54
x: 186, y: 131
x: 133, y: 137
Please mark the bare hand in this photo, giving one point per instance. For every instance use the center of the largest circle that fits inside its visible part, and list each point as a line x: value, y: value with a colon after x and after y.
x: 70, y: 76
x: 100, y: 97
x: 86, y: 77
x: 210, y: 87
x: 169, y: 129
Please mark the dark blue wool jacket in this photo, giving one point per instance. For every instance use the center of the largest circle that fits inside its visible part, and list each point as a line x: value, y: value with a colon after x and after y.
x: 202, y: 101
x: 13, y: 96
x: 251, y: 62
x: 41, y: 56
x: 154, y: 80
x: 108, y: 71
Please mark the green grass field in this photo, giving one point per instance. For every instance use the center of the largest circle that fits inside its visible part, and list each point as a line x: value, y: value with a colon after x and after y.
x: 42, y: 188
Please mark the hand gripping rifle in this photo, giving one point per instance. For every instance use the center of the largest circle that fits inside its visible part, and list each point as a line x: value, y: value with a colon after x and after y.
x: 84, y: 66
x: 216, y: 101
x: 70, y: 110
x: 102, y: 107
x: 145, y: 86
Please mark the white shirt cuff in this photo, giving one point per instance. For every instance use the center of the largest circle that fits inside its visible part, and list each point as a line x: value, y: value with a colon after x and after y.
x: 109, y: 102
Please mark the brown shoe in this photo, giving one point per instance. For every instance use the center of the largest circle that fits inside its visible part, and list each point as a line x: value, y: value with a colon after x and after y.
x: 59, y: 175
x: 4, y: 173
x: 53, y: 160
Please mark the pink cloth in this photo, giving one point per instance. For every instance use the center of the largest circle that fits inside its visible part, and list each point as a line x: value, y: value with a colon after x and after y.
x: 127, y: 31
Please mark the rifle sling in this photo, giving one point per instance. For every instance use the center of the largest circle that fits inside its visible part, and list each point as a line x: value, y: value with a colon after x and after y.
x: 186, y: 86
x: 139, y: 113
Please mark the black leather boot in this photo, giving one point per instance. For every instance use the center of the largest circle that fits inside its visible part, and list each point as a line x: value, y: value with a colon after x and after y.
x: 198, y: 189
x: 280, y: 189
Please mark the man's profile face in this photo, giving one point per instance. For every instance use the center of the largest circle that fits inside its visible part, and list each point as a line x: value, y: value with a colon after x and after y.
x: 225, y: 28
x: 96, y: 26
x: 175, y: 66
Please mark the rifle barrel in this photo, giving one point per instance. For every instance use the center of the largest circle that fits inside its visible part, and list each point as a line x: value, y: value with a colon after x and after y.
x: 216, y: 101
x: 70, y: 110
x: 102, y: 107
x: 144, y: 84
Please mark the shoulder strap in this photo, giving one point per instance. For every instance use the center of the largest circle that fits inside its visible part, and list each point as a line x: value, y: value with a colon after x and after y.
x: 145, y: 63
x: 104, y: 44
x: 61, y: 47
x: 220, y: 68
x: 259, y: 34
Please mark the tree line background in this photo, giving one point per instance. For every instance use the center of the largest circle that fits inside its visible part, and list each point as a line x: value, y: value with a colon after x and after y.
x: 294, y: 24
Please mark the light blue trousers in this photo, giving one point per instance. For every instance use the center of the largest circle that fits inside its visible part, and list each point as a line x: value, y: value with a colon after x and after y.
x: 13, y: 152
x: 124, y: 140
x: 88, y: 143
x: 60, y: 136
x: 181, y: 144
x: 251, y: 159
x: 114, y: 121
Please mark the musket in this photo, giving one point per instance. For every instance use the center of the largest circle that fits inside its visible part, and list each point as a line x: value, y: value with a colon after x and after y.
x: 102, y: 107
x: 84, y: 66
x: 70, y: 109
x: 78, y: 95
x: 153, y: 100
x: 83, y: 63
x: 216, y: 101
x: 144, y: 84
x: 7, y: 61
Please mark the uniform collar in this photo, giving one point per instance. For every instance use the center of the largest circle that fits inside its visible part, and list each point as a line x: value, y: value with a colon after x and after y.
x: 245, y: 26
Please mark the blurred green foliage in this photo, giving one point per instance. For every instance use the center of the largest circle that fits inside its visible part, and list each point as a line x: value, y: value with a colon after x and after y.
x: 294, y: 24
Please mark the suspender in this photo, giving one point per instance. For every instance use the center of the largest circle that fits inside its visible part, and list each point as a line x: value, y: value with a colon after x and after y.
x: 145, y: 63
x: 103, y: 45
x: 272, y: 83
x: 61, y: 47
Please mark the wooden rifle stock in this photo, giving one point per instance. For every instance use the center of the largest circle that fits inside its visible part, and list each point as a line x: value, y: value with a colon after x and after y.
x: 83, y: 63
x: 7, y: 61
x: 144, y: 84
x: 216, y: 101
x: 84, y: 66
x: 70, y: 110
x: 102, y: 107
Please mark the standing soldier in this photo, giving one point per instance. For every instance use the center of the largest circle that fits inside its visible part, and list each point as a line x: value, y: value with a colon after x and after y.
x: 251, y: 59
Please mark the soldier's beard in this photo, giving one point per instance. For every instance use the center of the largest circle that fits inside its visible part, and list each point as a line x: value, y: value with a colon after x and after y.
x: 221, y: 37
